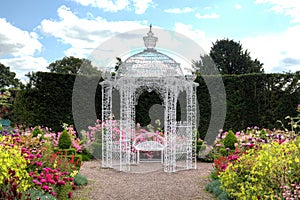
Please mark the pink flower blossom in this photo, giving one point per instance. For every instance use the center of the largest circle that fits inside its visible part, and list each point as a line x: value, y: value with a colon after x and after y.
x: 38, y: 183
x: 51, y: 181
x: 60, y: 182
x: 53, y: 194
x: 39, y: 164
x: 43, y: 180
x: 45, y: 187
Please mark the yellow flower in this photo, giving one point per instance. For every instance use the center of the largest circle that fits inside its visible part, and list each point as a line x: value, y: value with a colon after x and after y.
x: 74, y: 173
x: 55, y: 164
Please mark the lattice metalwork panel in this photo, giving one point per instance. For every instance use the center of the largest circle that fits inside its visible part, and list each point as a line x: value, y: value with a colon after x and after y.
x: 149, y: 71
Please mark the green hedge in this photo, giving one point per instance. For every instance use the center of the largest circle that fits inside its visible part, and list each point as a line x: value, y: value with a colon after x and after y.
x: 49, y: 103
x: 252, y: 100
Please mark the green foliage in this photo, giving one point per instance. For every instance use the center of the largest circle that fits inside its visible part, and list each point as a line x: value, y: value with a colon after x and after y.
x: 254, y: 99
x: 64, y: 141
x: 39, y: 194
x: 9, y: 188
x: 76, y: 160
x: 80, y: 180
x: 6, y: 98
x: 26, y: 108
x: 214, y: 174
x: 229, y: 140
x: 72, y: 65
x: 215, y: 188
x: 52, y: 101
x: 199, y: 145
x: 69, y: 151
x: 223, y: 151
x: 275, y: 166
x: 86, y: 155
x: 64, y: 191
x: 230, y: 58
x: 37, y: 131
x: 8, y: 78
x: 13, y: 164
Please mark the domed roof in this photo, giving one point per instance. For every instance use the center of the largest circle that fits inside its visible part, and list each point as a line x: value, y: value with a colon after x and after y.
x: 150, y: 63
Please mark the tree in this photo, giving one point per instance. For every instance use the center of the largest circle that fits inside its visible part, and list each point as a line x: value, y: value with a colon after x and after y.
x: 72, y: 65
x: 204, y: 66
x: 230, y: 58
x: 32, y: 79
x: 118, y: 63
x: 8, y: 78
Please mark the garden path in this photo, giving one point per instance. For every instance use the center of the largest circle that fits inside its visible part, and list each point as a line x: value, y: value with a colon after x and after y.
x: 110, y: 184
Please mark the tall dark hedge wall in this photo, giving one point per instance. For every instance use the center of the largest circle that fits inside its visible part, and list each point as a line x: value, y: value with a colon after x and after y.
x: 49, y: 103
x: 252, y: 100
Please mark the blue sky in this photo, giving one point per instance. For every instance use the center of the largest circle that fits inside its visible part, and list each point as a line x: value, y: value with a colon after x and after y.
x: 34, y: 33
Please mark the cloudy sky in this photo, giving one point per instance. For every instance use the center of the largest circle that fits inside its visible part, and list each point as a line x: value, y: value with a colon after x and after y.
x: 34, y: 33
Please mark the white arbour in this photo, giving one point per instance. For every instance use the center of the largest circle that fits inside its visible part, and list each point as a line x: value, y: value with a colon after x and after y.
x: 149, y: 71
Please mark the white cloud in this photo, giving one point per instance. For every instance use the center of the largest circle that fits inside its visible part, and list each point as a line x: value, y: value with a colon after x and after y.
x: 25, y: 64
x: 141, y: 5
x: 16, y: 42
x: 278, y: 51
x: 207, y: 16
x: 237, y: 6
x: 289, y: 8
x: 107, y: 5
x: 84, y: 35
x: 179, y: 10
x: 195, y: 34
x: 18, y: 49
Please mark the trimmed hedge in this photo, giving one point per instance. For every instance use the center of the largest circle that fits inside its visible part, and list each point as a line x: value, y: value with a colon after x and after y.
x: 252, y: 100
x: 49, y: 103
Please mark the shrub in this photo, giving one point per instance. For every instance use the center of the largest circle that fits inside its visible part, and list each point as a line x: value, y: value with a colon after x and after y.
x: 75, y: 160
x: 39, y: 194
x: 230, y: 140
x: 64, y: 192
x: 36, y: 131
x: 70, y: 151
x: 199, y: 145
x: 9, y: 187
x: 80, y: 180
x: 206, y: 154
x: 274, y: 165
x: 215, y: 188
x: 64, y: 141
x: 13, y: 164
x: 86, y: 155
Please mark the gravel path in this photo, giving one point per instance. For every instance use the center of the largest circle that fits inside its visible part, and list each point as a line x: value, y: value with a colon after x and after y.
x: 110, y: 184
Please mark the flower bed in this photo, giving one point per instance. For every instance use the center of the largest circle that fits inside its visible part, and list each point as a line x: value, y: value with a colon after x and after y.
x: 257, y: 163
x: 31, y: 167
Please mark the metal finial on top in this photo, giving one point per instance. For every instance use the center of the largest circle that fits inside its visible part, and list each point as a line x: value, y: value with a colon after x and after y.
x: 150, y: 40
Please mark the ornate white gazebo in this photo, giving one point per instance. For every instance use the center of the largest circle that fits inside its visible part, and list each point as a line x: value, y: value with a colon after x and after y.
x: 149, y: 70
